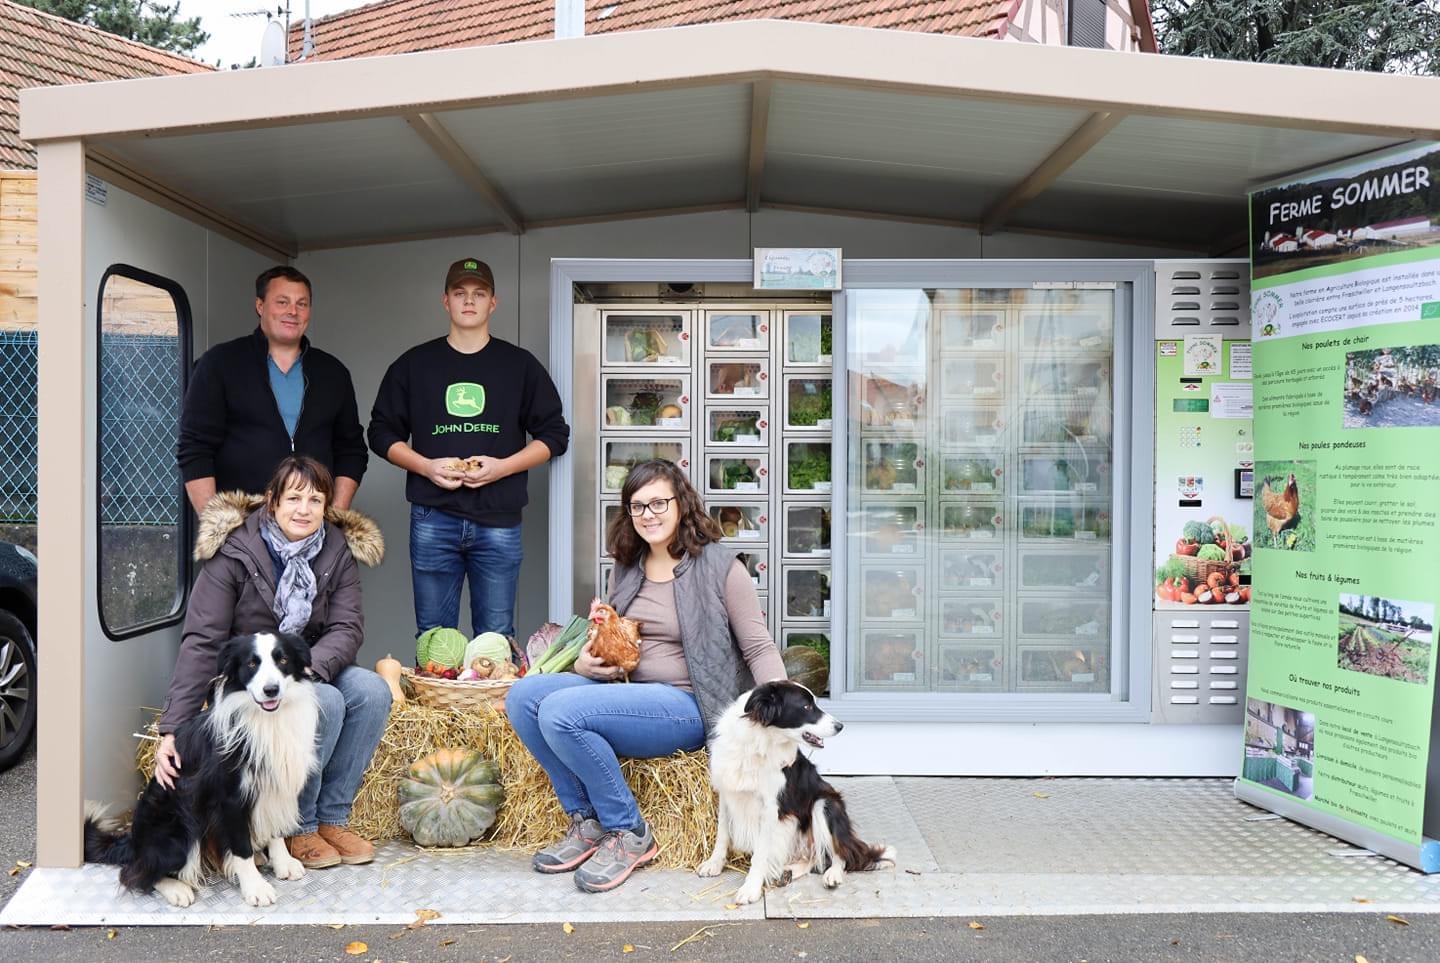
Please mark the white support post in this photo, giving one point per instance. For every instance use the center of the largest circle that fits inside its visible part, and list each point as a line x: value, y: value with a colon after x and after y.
x: 63, y: 513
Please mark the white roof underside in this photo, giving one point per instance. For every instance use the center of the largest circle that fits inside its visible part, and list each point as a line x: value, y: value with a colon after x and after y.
x: 930, y: 127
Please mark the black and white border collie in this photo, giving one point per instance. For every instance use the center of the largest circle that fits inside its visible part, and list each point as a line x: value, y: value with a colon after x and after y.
x: 244, y: 760
x: 773, y: 803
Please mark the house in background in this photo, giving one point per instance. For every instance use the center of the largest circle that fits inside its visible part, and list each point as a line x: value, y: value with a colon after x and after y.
x: 407, y: 26
x: 40, y: 50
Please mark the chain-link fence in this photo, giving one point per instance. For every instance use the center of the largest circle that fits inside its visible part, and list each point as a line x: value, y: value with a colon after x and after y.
x: 140, y: 389
x: 18, y: 365
x: 139, y: 422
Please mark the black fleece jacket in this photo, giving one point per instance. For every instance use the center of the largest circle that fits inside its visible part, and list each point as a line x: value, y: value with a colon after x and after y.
x: 230, y: 426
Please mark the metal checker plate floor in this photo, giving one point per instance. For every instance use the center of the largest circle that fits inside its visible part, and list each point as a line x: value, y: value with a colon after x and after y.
x: 966, y: 847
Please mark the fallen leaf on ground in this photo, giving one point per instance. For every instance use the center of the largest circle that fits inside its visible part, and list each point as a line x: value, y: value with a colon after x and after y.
x: 732, y: 905
x: 111, y: 934
x: 1174, y: 942
x: 1398, y: 919
x: 976, y: 926
x: 803, y: 926
x: 1360, y: 959
x: 356, y: 948
x: 398, y: 934
x: 336, y: 926
x: 23, y: 863
x: 628, y: 948
x: 427, y: 914
x: 1359, y: 899
x: 447, y: 941
x: 568, y: 928
x: 1041, y: 795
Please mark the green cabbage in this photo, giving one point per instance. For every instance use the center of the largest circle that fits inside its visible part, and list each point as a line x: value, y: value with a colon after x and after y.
x: 1211, y: 553
x: 488, y: 645
x: 441, y: 645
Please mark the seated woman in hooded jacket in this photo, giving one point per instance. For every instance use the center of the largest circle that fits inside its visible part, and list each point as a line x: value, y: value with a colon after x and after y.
x: 285, y: 561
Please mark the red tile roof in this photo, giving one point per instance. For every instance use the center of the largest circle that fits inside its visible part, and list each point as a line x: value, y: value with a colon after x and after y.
x: 407, y: 26
x: 39, y: 50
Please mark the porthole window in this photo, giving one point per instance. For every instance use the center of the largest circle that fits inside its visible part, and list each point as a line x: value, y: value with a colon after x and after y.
x: 143, y: 360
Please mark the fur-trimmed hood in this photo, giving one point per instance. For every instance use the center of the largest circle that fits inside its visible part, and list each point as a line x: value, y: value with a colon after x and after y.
x: 227, y: 511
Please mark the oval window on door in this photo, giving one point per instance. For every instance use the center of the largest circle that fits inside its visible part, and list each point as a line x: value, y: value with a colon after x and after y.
x: 143, y: 358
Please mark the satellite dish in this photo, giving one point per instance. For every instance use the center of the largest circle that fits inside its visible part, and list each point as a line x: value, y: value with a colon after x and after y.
x: 272, y: 45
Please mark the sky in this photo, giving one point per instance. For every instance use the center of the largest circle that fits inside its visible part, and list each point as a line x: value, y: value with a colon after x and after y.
x: 234, y: 40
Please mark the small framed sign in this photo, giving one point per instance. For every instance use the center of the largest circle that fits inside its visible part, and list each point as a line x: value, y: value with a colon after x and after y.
x: 797, y: 268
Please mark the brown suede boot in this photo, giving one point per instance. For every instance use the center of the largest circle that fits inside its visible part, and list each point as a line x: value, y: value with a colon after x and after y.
x: 353, y: 850
x: 313, y: 851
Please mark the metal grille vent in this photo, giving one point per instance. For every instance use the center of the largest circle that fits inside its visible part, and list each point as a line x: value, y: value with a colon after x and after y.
x: 1202, y: 296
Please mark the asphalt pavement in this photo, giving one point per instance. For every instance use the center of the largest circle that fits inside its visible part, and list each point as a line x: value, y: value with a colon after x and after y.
x: 1344, y: 938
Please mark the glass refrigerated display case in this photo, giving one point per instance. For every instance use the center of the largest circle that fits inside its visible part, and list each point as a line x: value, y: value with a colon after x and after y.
x: 979, y: 527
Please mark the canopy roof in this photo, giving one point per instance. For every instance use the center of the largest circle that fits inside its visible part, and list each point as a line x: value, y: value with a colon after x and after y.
x: 757, y: 114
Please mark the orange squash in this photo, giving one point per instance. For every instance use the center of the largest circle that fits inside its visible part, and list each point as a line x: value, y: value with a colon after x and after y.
x: 390, y: 669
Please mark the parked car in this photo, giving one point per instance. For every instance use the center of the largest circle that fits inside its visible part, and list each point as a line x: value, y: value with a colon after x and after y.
x: 17, y: 652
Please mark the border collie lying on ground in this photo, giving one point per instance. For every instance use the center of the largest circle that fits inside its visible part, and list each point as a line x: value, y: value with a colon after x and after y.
x: 245, y: 761
x: 773, y: 803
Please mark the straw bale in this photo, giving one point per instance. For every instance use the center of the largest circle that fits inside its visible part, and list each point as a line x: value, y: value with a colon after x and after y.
x: 674, y: 792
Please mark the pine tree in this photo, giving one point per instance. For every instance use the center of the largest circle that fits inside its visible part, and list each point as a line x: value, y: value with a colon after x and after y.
x: 1394, y: 36
x: 151, y: 23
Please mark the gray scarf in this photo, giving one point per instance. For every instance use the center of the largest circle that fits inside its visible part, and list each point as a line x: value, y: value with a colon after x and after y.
x: 295, y: 588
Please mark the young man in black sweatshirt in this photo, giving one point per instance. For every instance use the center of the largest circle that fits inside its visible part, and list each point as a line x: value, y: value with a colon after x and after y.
x: 455, y: 413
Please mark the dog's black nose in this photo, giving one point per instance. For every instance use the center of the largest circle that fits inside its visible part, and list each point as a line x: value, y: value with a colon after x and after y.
x: 272, y: 690
x: 839, y: 725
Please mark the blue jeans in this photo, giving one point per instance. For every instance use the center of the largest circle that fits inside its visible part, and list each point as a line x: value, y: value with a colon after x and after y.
x: 354, y: 707
x: 575, y: 727
x: 444, y: 549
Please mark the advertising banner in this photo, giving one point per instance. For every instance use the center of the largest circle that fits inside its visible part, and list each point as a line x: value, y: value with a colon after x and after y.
x: 1346, y: 513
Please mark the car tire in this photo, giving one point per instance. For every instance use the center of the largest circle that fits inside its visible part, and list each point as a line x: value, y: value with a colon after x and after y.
x: 17, y: 689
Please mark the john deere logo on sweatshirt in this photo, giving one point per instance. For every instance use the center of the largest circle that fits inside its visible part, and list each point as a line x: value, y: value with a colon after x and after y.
x: 465, y: 399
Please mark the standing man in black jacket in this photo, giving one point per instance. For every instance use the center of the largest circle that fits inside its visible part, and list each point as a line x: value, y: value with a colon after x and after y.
x: 256, y: 399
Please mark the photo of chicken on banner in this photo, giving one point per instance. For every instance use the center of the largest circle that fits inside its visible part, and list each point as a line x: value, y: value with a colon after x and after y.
x: 1285, y: 505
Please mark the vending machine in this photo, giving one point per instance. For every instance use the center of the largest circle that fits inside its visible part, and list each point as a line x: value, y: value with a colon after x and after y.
x: 1204, y: 488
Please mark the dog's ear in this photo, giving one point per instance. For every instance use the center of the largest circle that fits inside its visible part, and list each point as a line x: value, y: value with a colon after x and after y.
x: 225, y: 659
x: 763, y: 706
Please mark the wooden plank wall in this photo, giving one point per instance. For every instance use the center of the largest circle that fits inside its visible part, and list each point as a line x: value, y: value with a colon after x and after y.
x: 18, y: 224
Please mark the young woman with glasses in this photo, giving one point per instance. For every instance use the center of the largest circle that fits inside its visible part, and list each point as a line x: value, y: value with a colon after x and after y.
x: 703, y: 642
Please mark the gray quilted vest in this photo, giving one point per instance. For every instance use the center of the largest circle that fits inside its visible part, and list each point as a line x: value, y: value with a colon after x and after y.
x: 718, y: 672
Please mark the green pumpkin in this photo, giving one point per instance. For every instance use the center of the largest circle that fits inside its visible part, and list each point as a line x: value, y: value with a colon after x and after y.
x: 807, y: 667
x: 450, y: 797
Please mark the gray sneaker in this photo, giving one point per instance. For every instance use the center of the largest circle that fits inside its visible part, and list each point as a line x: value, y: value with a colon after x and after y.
x: 577, y: 845
x: 620, y: 854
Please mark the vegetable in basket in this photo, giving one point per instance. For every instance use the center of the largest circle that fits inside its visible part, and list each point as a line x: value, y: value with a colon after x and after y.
x: 441, y: 646
x: 564, y: 650
x: 1211, y: 553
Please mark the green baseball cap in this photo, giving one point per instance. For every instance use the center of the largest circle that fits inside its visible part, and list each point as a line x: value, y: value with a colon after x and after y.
x: 472, y: 269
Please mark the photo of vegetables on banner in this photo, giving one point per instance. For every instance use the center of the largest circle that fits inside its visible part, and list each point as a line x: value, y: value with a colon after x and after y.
x: 1346, y: 558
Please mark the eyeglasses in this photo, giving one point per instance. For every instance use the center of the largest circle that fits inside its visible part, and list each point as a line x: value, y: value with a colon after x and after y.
x: 657, y: 506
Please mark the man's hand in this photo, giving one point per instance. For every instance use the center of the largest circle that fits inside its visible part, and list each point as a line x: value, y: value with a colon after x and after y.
x: 167, y: 762
x: 443, y: 473
x: 485, y: 470
x: 590, y: 667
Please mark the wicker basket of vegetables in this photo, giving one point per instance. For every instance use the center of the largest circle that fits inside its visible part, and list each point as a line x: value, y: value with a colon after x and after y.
x: 1207, y: 548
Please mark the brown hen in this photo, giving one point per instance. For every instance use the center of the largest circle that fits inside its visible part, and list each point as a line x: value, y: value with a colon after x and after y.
x: 614, y: 639
x: 1282, y: 508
